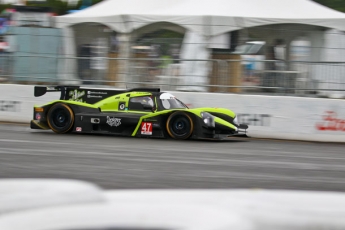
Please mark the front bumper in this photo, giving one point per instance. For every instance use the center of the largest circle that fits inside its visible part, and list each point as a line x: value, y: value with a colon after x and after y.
x: 36, y: 124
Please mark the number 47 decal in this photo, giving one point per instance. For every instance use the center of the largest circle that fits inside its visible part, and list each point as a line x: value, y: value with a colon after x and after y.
x: 146, y: 128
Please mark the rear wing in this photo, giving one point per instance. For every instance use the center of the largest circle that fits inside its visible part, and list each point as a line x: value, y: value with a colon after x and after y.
x: 87, y: 95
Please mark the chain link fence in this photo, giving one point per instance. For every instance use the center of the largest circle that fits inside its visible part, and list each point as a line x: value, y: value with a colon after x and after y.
x: 222, y: 75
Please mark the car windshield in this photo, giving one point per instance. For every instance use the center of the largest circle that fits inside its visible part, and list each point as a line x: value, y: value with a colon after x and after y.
x: 169, y: 101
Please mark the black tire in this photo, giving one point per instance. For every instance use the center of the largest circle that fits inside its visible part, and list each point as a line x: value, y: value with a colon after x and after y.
x: 60, y: 118
x: 180, y: 125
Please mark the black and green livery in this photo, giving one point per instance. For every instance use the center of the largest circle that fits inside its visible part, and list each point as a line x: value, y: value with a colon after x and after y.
x: 140, y: 112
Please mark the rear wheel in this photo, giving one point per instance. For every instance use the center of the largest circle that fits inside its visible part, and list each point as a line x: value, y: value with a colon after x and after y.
x: 60, y: 118
x: 180, y: 125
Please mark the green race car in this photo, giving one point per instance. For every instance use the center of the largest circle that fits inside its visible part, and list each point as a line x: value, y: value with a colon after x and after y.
x: 140, y: 112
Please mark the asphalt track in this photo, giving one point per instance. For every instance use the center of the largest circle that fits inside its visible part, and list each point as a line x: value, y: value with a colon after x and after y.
x: 117, y: 162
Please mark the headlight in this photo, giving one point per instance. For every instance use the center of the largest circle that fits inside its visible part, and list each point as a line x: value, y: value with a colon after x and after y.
x: 236, y: 121
x: 208, y: 119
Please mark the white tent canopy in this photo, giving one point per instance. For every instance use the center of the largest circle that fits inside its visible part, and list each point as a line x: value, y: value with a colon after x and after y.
x: 205, y: 17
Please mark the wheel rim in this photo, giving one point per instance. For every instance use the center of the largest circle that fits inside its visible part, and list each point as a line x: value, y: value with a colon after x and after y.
x: 180, y: 126
x: 60, y: 118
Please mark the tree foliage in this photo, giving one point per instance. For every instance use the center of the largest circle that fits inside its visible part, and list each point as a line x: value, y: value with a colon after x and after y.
x: 4, y: 6
x: 60, y: 7
x: 334, y: 4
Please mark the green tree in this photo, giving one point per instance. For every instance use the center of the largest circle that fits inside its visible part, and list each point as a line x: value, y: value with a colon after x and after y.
x: 334, y: 4
x: 4, y: 6
x: 60, y: 7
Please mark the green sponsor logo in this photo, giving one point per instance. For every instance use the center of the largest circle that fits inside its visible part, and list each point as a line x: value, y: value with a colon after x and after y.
x: 76, y: 95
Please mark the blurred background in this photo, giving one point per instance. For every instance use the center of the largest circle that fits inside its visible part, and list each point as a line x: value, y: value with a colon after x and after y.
x: 272, y: 47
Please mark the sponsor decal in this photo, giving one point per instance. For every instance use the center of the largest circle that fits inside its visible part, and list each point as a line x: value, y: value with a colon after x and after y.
x: 331, y: 122
x: 94, y: 92
x: 146, y: 128
x: 254, y: 119
x: 94, y: 96
x: 122, y: 105
x: 78, y: 129
x: 156, y: 125
x: 10, y: 106
x: 113, y: 121
x: 38, y: 116
x: 76, y: 95
x: 149, y: 119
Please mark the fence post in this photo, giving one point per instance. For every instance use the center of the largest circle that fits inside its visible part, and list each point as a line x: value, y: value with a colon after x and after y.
x: 235, y: 73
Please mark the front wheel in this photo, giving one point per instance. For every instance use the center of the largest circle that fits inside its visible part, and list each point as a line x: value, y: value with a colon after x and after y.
x: 180, y: 125
x: 60, y: 118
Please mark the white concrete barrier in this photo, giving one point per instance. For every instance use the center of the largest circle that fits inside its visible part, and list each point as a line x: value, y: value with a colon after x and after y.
x: 294, y: 118
x: 17, y: 101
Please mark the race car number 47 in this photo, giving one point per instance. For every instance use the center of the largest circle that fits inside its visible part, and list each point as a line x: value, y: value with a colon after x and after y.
x: 146, y: 128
